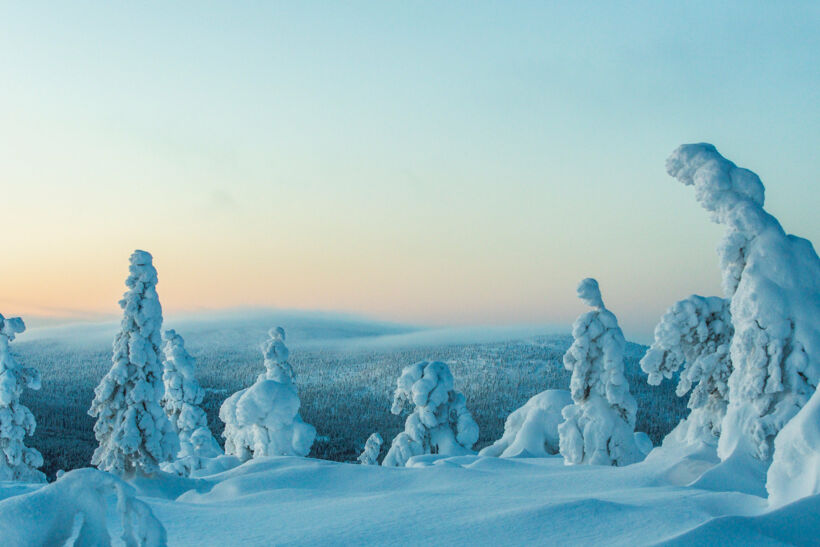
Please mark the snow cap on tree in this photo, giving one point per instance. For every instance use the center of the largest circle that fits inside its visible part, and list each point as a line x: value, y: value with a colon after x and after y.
x: 599, y: 428
x: 590, y: 293
x: 133, y: 432
x: 181, y: 401
x: 264, y: 420
x: 773, y: 282
x: 440, y: 422
x: 18, y: 462
x: 695, y: 334
x: 372, y: 449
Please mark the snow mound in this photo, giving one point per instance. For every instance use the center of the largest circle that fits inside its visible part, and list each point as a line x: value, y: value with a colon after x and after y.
x: 795, y: 469
x: 532, y: 430
x: 773, y: 282
x: 440, y: 422
x: 796, y: 524
x: 72, y: 511
x: 264, y: 420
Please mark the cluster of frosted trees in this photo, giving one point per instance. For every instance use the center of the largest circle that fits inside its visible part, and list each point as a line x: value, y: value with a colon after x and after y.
x: 749, y: 361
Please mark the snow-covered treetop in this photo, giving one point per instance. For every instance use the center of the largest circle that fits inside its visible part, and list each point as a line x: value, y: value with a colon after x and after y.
x: 13, y: 377
x: 141, y: 303
x: 276, y: 354
x: 590, y: 293
x: 10, y: 327
x: 733, y: 195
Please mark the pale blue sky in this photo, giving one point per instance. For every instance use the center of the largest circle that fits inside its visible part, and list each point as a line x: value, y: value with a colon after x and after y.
x: 447, y: 164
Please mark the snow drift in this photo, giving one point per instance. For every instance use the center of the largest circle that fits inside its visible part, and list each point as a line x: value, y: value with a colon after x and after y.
x: 72, y: 511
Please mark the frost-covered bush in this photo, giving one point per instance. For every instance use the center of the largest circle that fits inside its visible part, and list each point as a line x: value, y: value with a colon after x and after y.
x: 599, y: 428
x: 264, y: 420
x: 773, y: 282
x: 440, y: 422
x: 372, y: 449
x: 18, y: 462
x: 133, y: 432
x: 73, y: 511
x: 532, y: 430
x: 695, y: 334
x: 181, y: 401
x: 795, y: 469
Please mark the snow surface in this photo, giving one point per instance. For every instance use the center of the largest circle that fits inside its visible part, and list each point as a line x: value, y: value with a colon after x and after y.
x: 455, y: 500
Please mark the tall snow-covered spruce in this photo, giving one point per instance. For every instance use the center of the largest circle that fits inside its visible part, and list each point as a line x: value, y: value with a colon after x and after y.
x: 772, y: 280
x: 264, y: 420
x: 181, y: 401
x: 599, y: 428
x: 134, y: 434
x: 440, y: 422
x: 695, y: 334
x: 18, y: 462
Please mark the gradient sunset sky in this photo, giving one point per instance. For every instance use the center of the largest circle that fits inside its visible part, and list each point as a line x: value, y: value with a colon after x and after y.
x: 433, y: 163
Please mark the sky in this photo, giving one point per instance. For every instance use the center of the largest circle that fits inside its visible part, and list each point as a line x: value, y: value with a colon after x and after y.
x: 430, y: 163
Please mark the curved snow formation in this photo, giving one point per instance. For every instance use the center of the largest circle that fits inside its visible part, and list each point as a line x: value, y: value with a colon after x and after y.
x: 532, y: 430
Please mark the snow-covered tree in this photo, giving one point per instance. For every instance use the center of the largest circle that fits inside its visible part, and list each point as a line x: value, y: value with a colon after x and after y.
x: 440, y: 422
x: 532, y: 430
x: 264, y: 420
x: 599, y: 428
x: 773, y: 282
x: 372, y: 449
x: 133, y: 432
x: 18, y: 462
x: 695, y: 334
x: 181, y: 401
